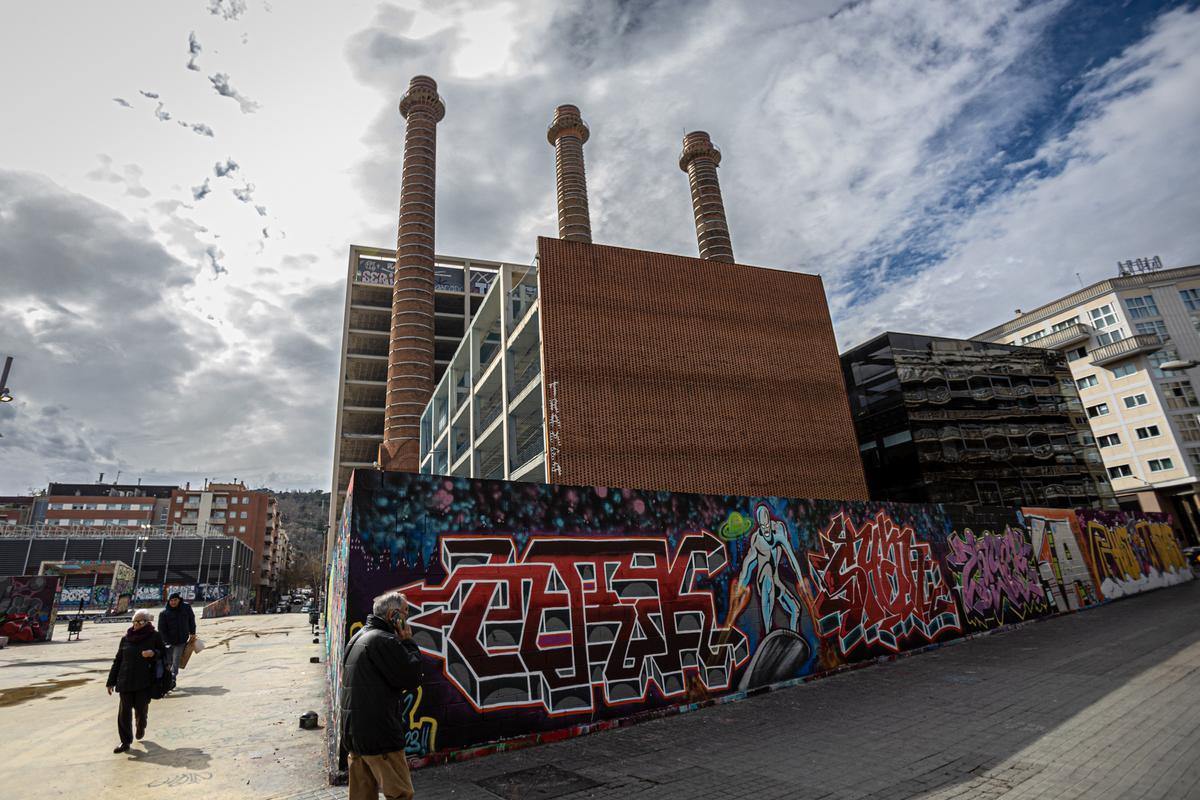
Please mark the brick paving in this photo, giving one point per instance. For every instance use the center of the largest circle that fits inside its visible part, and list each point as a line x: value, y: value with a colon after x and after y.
x: 1100, y: 704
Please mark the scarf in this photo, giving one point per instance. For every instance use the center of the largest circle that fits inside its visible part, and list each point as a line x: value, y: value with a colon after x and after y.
x: 135, y: 634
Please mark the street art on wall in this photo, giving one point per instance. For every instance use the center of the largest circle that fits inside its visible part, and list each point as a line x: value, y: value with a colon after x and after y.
x: 27, y: 612
x: 542, y: 607
x: 1130, y: 553
x: 997, y: 577
x: 1054, y: 534
x: 547, y: 610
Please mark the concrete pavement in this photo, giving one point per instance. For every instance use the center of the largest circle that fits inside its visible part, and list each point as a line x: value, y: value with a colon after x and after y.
x: 230, y: 730
x: 1100, y: 704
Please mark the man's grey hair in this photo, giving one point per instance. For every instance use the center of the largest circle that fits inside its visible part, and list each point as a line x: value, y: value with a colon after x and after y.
x: 386, y: 603
x: 143, y: 614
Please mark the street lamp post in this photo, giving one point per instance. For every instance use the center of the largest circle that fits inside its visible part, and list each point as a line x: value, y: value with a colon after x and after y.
x: 5, y: 394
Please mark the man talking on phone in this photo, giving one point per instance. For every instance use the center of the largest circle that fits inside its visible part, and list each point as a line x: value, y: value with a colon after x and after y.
x: 382, y: 663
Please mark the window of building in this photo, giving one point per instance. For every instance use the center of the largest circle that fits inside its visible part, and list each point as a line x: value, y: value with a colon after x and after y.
x: 1120, y: 471
x: 178, y: 514
x: 1103, y: 316
x: 1189, y: 428
x: 1066, y: 323
x: 1141, y: 307
x: 1155, y: 327
x: 1161, y: 357
x: 1033, y: 337
x: 1087, y: 381
x: 1191, y: 298
x: 1108, y: 337
x: 1194, y: 457
x: 1123, y: 370
x: 243, y: 515
x: 1135, y: 400
x: 1076, y: 354
x: 1098, y: 410
x: 1108, y: 440
x: 1160, y: 464
x: 1148, y: 432
x: 1179, y: 394
x: 241, y: 528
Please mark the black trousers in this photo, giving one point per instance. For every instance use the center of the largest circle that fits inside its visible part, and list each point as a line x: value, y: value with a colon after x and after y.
x: 132, y: 703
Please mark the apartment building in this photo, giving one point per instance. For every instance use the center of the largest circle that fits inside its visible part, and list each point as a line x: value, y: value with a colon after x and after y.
x: 107, y: 505
x: 245, y: 514
x: 1132, y: 346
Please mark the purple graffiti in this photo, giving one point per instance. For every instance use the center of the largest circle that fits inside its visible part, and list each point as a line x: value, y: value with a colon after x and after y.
x: 996, y: 572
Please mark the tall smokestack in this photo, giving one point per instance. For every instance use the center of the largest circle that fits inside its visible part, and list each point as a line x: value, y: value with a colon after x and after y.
x: 699, y: 160
x: 410, y: 356
x: 567, y: 133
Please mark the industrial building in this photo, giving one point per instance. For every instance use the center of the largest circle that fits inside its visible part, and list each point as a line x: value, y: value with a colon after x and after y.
x: 971, y: 423
x: 610, y: 366
x: 112, y: 505
x: 1133, y: 350
x: 164, y: 559
x: 459, y: 285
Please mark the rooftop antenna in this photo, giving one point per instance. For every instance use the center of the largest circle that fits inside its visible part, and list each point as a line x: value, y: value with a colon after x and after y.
x: 1079, y: 278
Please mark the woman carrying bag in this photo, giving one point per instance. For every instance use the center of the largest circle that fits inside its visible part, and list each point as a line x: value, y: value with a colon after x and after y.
x: 134, y: 676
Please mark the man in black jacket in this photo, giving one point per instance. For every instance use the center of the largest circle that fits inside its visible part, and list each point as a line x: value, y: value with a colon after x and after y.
x: 382, y: 663
x: 177, y: 624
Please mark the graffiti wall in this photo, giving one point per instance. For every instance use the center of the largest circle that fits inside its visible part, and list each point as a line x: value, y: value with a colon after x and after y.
x: 336, y: 637
x: 1054, y: 533
x: 1129, y: 553
x: 143, y: 594
x: 27, y: 611
x: 995, y: 569
x: 547, y: 608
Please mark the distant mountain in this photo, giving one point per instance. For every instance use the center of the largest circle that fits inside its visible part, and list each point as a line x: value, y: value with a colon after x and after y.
x: 305, y: 518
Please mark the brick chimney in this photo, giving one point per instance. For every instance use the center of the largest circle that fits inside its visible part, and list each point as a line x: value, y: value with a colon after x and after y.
x: 410, y: 354
x: 567, y: 133
x: 699, y: 160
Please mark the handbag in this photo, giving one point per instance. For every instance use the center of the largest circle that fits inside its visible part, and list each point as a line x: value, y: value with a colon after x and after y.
x: 162, y: 680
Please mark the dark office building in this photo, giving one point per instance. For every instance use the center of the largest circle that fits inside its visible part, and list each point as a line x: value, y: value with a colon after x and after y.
x: 971, y: 423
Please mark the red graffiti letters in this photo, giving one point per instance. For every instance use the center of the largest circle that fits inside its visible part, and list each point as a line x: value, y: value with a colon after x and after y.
x: 570, y: 616
x: 997, y: 574
x: 877, y: 585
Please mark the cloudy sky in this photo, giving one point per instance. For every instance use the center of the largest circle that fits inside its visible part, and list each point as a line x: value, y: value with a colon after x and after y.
x: 179, y: 182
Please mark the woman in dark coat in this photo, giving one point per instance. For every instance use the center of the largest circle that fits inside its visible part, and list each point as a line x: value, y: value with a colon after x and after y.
x: 132, y: 675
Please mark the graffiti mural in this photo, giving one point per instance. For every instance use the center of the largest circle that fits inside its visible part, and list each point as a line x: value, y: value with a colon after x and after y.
x: 27, y: 612
x: 997, y: 577
x: 1054, y: 534
x: 876, y: 585
x: 1131, y: 553
x: 541, y: 608
x: 148, y: 593
x: 544, y: 611
x: 571, y: 621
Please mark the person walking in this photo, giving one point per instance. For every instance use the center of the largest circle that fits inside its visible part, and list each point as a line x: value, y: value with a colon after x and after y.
x: 381, y: 664
x: 132, y: 675
x: 177, y: 624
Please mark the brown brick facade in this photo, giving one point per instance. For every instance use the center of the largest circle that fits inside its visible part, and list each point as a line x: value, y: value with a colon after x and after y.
x: 676, y: 373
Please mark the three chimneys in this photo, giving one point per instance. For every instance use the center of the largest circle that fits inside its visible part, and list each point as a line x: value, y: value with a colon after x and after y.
x: 410, y: 356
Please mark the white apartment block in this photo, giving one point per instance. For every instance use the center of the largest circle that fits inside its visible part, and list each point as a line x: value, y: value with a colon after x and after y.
x: 1117, y: 335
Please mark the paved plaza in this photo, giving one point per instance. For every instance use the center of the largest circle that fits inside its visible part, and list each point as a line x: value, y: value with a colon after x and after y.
x: 1100, y: 704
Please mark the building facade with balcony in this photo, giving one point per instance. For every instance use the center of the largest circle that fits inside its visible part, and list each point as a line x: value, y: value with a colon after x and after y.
x: 245, y: 514
x: 1116, y: 335
x: 971, y: 423
x: 459, y: 287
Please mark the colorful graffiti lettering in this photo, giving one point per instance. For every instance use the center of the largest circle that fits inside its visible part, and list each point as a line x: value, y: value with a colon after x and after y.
x: 1128, y: 555
x: 187, y: 591
x: 148, y: 593
x: 1062, y: 565
x: 997, y: 577
x: 572, y: 615
x: 878, y: 585
x: 421, y: 737
x: 27, y: 612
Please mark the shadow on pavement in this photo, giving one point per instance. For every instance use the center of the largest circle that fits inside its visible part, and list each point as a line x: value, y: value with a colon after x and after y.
x: 205, y: 690
x: 184, y: 757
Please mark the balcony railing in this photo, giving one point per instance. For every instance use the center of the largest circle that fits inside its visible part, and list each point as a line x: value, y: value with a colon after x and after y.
x: 1136, y: 345
x: 1071, y: 335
